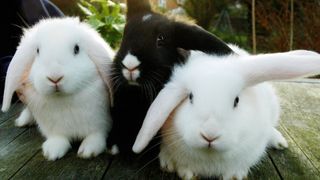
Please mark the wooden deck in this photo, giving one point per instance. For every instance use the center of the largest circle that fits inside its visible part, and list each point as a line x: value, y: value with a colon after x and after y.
x: 21, y: 156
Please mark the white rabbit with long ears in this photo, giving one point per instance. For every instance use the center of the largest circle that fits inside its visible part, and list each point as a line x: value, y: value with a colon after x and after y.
x: 60, y: 71
x: 218, y: 115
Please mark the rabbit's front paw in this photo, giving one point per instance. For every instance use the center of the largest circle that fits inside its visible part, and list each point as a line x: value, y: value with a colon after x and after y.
x: 92, y: 146
x: 55, y: 148
x: 278, y: 141
x: 165, y: 163
x: 25, y: 119
x: 186, y: 174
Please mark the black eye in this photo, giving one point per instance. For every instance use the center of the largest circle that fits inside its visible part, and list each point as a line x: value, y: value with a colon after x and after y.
x: 76, y: 49
x: 160, y: 40
x: 236, y: 101
x: 191, y: 98
x: 38, y: 51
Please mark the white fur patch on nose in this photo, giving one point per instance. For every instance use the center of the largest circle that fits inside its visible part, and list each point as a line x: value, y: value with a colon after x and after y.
x: 131, y: 72
x: 131, y: 61
x: 146, y: 17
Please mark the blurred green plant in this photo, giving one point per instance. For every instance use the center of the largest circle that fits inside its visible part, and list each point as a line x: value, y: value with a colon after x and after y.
x: 238, y: 39
x: 106, y: 17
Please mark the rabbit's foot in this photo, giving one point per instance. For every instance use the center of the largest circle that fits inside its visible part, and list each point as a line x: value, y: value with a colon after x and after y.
x: 25, y: 119
x: 92, y: 145
x: 114, y: 150
x: 241, y: 175
x: 186, y: 174
x: 277, y: 141
x: 55, y: 148
x: 165, y: 163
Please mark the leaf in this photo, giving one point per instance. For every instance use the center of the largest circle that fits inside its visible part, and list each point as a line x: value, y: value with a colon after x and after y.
x: 85, y: 10
x: 106, y: 17
x: 105, y: 9
x: 100, y: 1
x: 95, y: 23
x: 118, y: 27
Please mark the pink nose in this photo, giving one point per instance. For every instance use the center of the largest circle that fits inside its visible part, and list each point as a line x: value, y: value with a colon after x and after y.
x: 131, y: 68
x: 209, y: 139
x: 55, y: 80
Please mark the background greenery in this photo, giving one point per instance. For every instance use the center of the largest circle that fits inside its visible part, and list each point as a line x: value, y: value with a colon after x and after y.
x: 106, y: 17
x: 228, y: 19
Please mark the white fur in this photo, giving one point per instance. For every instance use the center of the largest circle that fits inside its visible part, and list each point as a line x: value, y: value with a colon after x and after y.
x: 79, y: 109
x: 242, y: 137
x: 25, y: 118
x: 146, y: 17
x: 131, y: 71
x: 242, y: 133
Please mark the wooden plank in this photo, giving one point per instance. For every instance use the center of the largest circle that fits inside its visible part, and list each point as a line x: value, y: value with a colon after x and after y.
x: 264, y: 170
x: 124, y: 168
x: 18, y: 152
x: 292, y: 162
x: 69, y: 167
x: 12, y: 114
x: 300, y: 121
x: 8, y: 132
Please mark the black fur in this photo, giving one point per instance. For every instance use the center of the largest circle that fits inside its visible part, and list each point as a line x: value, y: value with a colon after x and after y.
x: 157, y: 44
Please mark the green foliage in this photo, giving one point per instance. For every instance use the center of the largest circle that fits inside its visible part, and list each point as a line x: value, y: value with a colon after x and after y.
x: 229, y: 37
x: 106, y: 17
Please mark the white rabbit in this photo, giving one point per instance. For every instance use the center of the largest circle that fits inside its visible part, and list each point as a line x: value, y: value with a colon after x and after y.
x: 218, y: 113
x: 60, y: 71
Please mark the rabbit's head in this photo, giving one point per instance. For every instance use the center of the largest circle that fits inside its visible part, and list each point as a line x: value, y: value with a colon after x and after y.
x: 153, y: 43
x: 214, y: 96
x: 58, y: 57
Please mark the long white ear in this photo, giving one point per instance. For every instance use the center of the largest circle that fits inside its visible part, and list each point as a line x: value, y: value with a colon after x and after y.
x: 102, y: 55
x: 21, y: 61
x: 280, y: 66
x: 166, y: 101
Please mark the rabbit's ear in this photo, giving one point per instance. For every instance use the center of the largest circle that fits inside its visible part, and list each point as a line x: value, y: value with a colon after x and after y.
x: 21, y: 61
x: 192, y: 37
x: 102, y: 55
x: 135, y: 7
x: 280, y: 66
x: 167, y: 100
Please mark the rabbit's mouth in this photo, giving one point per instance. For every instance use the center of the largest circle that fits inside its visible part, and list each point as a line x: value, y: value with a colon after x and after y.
x: 131, y: 69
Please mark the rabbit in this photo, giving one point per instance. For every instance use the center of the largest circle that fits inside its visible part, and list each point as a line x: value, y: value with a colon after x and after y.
x: 219, y: 115
x: 61, y: 72
x: 152, y: 44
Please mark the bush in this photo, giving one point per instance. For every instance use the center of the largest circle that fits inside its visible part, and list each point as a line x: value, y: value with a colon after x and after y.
x: 106, y: 17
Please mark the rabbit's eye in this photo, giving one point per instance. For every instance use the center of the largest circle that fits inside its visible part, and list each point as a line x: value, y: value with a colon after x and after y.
x: 191, y: 98
x: 160, y: 40
x: 236, y: 101
x: 76, y: 49
x: 38, y: 51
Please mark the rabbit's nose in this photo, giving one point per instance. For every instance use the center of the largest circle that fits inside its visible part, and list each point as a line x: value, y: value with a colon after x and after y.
x: 208, y: 138
x: 55, y: 80
x: 130, y: 68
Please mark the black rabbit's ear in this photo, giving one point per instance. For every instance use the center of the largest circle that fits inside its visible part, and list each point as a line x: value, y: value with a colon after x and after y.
x: 192, y: 37
x: 135, y: 7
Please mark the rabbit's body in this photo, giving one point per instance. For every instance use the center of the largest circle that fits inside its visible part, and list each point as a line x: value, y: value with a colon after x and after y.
x: 219, y: 114
x: 78, y: 116
x: 61, y: 72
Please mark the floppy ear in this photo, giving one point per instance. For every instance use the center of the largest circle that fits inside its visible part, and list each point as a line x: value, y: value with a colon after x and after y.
x: 192, y: 37
x: 102, y: 55
x: 279, y: 66
x: 135, y: 7
x: 21, y: 61
x: 166, y: 101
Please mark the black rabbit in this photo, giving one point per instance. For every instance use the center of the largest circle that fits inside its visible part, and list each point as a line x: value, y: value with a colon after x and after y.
x: 151, y: 46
